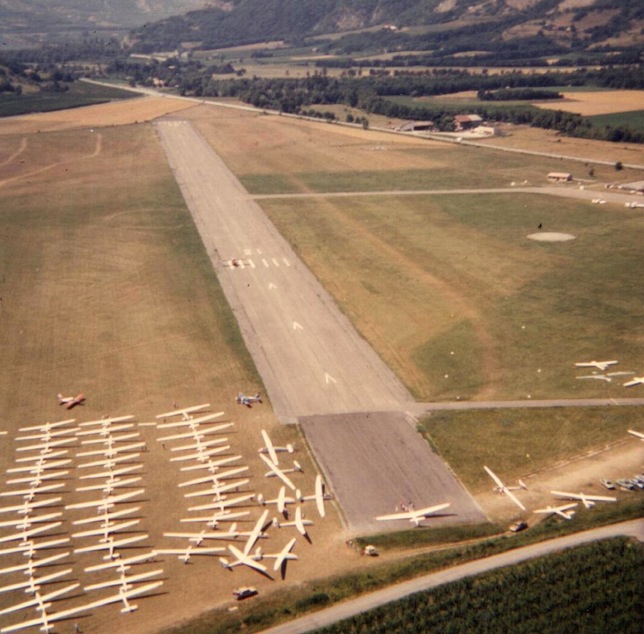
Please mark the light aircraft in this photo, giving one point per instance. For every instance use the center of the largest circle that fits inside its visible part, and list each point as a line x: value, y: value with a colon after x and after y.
x: 299, y: 523
x: 30, y: 548
x: 415, y: 516
x: 222, y: 505
x: 47, y: 426
x: 30, y: 494
x: 106, y: 431
x: 232, y: 534
x: 243, y: 399
x: 186, y: 553
x: 113, y: 438
x: 40, y: 601
x: 36, y: 480
x: 111, y: 473
x: 282, y: 557
x: 201, y: 456
x: 28, y: 506
x: 40, y: 458
x: 40, y: 466
x: 49, y: 435
x: 600, y: 365
x: 244, y: 559
x: 216, y: 491
x: 106, y: 530
x: 319, y: 496
x: 563, y: 511
x: 637, y: 434
x: 638, y: 380
x: 281, y: 500
x: 195, y: 433
x: 211, y: 465
x: 46, y: 619
x: 106, y: 517
x: 33, y: 584
x: 124, y: 581
x: 501, y: 488
x: 271, y: 449
x: 184, y: 412
x: 32, y: 565
x: 106, y: 422
x: 106, y: 503
x: 26, y: 533
x: 108, y: 463
x: 588, y: 500
x: 110, y: 452
x: 25, y: 522
x: 193, y: 423
x: 199, y: 445
x: 111, y: 485
x: 124, y: 563
x: 214, y: 478
x: 110, y: 545
x: 212, y: 521
x: 71, y: 401
x: 277, y: 471
x: 296, y: 468
x: 47, y: 446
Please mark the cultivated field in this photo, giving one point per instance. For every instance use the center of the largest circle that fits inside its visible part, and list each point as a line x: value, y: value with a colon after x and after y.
x: 588, y: 104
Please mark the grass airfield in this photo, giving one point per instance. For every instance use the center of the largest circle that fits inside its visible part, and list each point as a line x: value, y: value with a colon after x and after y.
x: 106, y: 289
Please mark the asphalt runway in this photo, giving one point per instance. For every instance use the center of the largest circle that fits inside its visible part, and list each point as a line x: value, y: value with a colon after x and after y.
x: 315, y: 366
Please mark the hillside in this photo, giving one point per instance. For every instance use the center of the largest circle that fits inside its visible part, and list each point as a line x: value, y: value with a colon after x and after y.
x: 29, y: 22
x: 545, y: 25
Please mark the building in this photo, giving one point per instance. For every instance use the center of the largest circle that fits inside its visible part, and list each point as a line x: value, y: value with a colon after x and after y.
x: 559, y: 177
x: 466, y: 122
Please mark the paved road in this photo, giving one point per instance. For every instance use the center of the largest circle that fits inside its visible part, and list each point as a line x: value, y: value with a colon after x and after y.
x: 634, y: 528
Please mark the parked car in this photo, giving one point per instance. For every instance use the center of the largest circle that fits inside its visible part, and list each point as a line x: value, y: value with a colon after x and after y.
x: 244, y: 593
x: 607, y: 484
x: 518, y: 527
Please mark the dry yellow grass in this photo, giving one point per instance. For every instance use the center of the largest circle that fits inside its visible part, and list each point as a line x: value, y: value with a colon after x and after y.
x: 601, y: 102
x: 114, y: 113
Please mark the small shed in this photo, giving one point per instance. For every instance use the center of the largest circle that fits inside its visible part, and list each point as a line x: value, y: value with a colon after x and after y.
x: 559, y: 177
x: 466, y: 121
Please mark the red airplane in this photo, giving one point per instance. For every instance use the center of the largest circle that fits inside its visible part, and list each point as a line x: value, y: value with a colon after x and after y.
x: 71, y: 401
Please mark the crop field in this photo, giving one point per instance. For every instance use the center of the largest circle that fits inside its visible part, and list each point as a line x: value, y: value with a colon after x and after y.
x: 599, y: 102
x: 594, y: 588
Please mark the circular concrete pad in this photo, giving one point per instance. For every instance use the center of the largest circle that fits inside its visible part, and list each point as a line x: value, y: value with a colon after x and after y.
x: 550, y: 236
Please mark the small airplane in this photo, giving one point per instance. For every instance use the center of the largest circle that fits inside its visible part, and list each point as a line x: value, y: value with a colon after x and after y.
x: 186, y: 553
x: 212, y: 521
x: 106, y: 517
x: 30, y: 548
x: 215, y: 478
x: 563, y: 511
x: 23, y: 523
x: 244, y: 559
x: 232, y: 534
x: 124, y: 563
x: 415, y: 516
x: 40, y: 601
x: 201, y: 455
x: 47, y: 426
x: 196, y: 434
x: 26, y: 533
x: 212, y: 465
x: 282, y: 557
x: 107, y: 530
x: 600, y: 365
x: 277, y: 471
x: 110, y: 545
x: 296, y: 468
x: 124, y: 581
x: 271, y: 449
x: 501, y: 488
x: 33, y: 584
x: 110, y: 452
x: 637, y: 434
x: 216, y: 491
x: 281, y: 500
x: 638, y: 380
x: 28, y: 506
x: 104, y: 504
x: 222, y: 505
x: 299, y: 523
x: 588, y: 500
x: 319, y: 496
x: 185, y: 411
x: 32, y: 565
x: 71, y: 401
x: 111, y: 485
x: 243, y: 399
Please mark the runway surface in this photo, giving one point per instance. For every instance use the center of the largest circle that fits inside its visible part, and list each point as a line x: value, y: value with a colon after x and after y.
x: 316, y: 367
